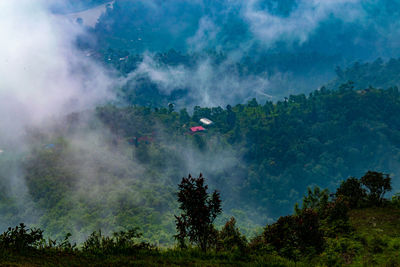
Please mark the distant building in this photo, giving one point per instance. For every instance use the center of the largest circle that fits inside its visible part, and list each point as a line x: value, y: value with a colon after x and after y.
x: 206, y: 121
x: 197, y: 129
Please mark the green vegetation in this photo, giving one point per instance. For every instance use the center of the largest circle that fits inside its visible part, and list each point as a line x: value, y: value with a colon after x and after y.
x: 99, y: 187
x: 199, y: 210
x: 379, y: 74
x: 323, y: 232
x: 145, y: 90
x: 261, y: 158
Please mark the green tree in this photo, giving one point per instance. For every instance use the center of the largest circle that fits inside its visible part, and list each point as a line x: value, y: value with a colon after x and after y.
x: 199, y: 210
x: 316, y: 199
x: 378, y: 184
x: 295, y: 235
x: 230, y: 237
x: 352, y: 191
x: 21, y: 238
x: 184, y: 116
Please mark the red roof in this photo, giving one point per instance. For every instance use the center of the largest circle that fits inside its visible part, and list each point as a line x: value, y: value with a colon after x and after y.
x: 197, y: 129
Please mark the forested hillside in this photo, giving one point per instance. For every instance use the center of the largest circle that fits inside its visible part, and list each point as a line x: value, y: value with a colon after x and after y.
x: 203, y: 132
x: 270, y: 48
x: 210, y: 77
x: 356, y: 225
x: 261, y: 156
x: 379, y: 74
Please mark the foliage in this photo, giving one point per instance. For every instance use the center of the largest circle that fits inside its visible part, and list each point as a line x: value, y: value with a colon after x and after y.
x: 324, y: 232
x: 340, y: 251
x: 351, y: 189
x: 282, y: 147
x: 332, y: 213
x: 296, y: 235
x: 316, y: 199
x: 21, y: 238
x: 199, y: 210
x: 65, y: 245
x: 379, y: 74
x: 396, y: 200
x: 335, y: 218
x: 122, y: 242
x: 263, y: 158
x: 230, y: 238
x: 378, y: 184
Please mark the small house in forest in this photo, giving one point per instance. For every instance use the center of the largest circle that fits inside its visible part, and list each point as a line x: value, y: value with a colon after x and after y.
x: 197, y: 129
x: 206, y: 121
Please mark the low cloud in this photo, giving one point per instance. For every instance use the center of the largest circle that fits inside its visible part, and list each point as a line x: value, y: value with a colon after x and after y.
x: 43, y: 74
x: 206, y: 84
x: 43, y: 78
x: 301, y: 22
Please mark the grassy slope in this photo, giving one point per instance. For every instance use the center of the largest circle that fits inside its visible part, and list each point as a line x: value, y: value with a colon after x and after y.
x: 375, y: 242
x: 379, y: 232
x: 165, y: 258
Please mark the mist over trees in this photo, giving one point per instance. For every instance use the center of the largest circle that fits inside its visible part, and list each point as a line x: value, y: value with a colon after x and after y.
x: 228, y: 52
x: 320, y: 232
x: 261, y: 156
x: 270, y: 100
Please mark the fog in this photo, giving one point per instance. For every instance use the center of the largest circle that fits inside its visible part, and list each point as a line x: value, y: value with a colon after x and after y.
x: 45, y: 78
x: 43, y: 74
x: 295, y: 45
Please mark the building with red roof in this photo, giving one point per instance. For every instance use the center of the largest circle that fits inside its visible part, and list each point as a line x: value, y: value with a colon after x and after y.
x: 197, y: 129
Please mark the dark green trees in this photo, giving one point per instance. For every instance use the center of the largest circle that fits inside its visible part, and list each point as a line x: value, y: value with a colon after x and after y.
x: 230, y: 238
x: 369, y: 190
x: 20, y: 238
x: 122, y: 242
x: 316, y: 199
x: 352, y: 191
x: 295, y: 235
x: 199, y: 210
x: 377, y: 184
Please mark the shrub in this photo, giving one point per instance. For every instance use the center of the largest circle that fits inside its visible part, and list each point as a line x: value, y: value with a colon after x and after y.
x: 120, y: 243
x: 64, y: 245
x: 21, y: 238
x: 335, y: 218
x: 396, y: 200
x: 340, y: 251
x: 352, y: 191
x: 378, y: 184
x: 378, y: 245
x: 316, y: 199
x: 230, y: 238
x: 296, y: 235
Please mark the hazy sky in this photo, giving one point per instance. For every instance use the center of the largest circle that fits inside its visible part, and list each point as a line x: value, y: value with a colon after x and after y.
x: 43, y: 74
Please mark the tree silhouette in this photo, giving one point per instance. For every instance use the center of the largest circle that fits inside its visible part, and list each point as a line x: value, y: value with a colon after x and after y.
x: 377, y: 184
x: 199, y: 210
x: 352, y: 191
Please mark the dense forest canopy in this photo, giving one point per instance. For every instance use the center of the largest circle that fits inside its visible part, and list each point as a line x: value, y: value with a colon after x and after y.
x: 379, y: 73
x: 183, y: 25
x: 261, y: 156
x: 265, y: 98
x: 266, y: 49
